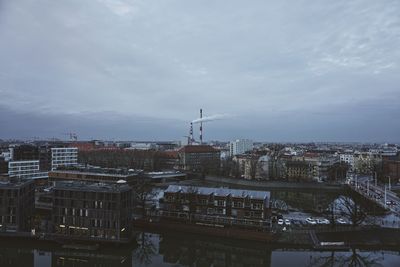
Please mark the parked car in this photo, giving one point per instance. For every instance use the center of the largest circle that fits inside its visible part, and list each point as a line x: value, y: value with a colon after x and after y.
x: 323, y: 221
x: 287, y: 221
x: 311, y: 221
x: 341, y: 221
x: 280, y: 221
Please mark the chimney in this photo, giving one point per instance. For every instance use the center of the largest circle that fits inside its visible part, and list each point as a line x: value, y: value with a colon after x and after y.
x: 201, y: 127
x: 191, y: 133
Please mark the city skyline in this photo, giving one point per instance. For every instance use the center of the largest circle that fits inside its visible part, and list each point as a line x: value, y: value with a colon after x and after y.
x: 132, y: 70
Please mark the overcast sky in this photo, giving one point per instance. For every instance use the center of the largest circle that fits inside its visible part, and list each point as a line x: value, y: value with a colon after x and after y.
x: 133, y: 69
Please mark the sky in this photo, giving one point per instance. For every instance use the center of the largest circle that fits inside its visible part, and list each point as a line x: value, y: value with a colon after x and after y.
x: 279, y: 70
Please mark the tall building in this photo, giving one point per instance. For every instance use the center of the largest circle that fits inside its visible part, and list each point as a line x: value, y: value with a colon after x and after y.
x: 17, y: 200
x: 240, y: 146
x: 63, y: 156
x: 92, y: 211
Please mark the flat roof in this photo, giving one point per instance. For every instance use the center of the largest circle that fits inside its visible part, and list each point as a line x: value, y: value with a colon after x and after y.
x: 219, y: 191
x: 94, y: 173
x: 14, y: 183
x: 92, y: 187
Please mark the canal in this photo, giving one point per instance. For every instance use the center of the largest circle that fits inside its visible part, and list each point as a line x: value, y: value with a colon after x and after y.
x: 175, y: 249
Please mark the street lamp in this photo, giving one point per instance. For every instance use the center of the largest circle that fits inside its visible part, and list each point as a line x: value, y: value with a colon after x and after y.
x: 385, y: 196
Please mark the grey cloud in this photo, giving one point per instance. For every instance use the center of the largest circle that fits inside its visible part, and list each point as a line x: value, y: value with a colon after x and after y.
x: 165, y: 60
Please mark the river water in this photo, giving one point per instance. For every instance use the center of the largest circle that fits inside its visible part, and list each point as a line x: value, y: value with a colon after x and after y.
x: 175, y: 249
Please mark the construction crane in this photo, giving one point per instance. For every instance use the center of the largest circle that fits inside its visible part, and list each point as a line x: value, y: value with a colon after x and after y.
x: 72, y: 136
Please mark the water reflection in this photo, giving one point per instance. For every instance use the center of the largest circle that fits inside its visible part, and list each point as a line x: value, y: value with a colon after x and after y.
x: 200, y: 251
x: 175, y: 249
x: 354, y: 259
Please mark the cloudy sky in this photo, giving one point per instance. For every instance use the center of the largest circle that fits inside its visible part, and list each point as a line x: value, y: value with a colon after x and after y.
x: 141, y: 69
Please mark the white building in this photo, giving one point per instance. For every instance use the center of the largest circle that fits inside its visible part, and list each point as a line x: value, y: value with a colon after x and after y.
x: 25, y: 169
x: 348, y: 158
x: 64, y: 156
x: 240, y: 146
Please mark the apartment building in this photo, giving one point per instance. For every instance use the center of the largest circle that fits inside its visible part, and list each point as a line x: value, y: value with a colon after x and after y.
x: 92, y: 211
x: 240, y: 146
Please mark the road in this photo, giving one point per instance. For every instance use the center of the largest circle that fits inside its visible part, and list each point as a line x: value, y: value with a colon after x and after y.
x: 380, y: 195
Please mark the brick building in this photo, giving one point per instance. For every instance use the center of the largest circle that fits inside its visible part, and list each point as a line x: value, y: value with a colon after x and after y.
x: 221, y: 202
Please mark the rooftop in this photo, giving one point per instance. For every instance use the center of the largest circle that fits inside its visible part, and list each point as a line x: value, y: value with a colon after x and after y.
x: 219, y: 191
x: 92, y: 187
x: 99, y: 171
x: 13, y: 183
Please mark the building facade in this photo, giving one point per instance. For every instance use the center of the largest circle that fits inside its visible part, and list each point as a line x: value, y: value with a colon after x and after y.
x: 92, y: 211
x: 240, y: 146
x: 203, y: 202
x: 63, y: 156
x: 17, y: 204
x: 201, y: 158
x: 25, y: 169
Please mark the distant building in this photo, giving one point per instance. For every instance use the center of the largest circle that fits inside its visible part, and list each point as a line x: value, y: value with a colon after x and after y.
x: 92, y: 211
x: 204, y: 201
x: 24, y: 153
x: 17, y: 200
x: 240, y: 146
x: 299, y: 171
x: 25, y: 169
x: 348, y: 159
x: 63, y: 156
x: 391, y: 168
x: 199, y: 158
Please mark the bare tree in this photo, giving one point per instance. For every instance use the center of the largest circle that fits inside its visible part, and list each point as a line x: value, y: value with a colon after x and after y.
x: 146, y: 249
x: 351, y: 208
x: 144, y: 193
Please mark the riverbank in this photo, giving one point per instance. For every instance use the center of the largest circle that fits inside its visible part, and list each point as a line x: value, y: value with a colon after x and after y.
x: 267, y: 185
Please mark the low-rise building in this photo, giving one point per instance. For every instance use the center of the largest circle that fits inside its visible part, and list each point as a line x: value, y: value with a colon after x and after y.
x: 92, y: 211
x: 204, y: 201
x: 25, y: 169
x: 17, y: 200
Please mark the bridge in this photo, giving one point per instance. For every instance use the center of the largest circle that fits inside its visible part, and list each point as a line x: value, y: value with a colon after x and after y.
x: 382, y: 196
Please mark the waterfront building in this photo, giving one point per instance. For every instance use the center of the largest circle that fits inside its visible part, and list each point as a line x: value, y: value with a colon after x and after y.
x: 17, y: 200
x: 199, y: 158
x: 240, y: 146
x: 204, y: 201
x: 92, y: 211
